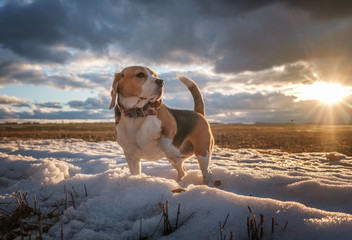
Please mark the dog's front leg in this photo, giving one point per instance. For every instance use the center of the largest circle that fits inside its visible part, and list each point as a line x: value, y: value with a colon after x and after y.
x: 134, y: 164
x: 171, y: 152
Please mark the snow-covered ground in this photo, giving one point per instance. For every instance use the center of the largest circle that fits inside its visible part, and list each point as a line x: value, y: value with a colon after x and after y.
x: 308, y: 196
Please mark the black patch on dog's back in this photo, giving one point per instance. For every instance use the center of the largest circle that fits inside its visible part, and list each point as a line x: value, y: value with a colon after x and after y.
x: 186, y: 122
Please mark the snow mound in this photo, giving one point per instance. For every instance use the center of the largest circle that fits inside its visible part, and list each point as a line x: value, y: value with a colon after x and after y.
x: 308, y: 196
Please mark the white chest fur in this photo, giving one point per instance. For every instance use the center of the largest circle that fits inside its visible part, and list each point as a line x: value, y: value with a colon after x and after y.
x: 140, y: 137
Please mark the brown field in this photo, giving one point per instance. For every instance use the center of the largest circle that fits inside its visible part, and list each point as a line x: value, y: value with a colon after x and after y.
x: 289, y: 138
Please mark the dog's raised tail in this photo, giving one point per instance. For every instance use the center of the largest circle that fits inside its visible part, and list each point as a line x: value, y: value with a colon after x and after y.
x: 195, y: 91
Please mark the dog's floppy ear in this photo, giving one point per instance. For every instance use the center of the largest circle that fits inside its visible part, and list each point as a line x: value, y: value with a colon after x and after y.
x: 114, y: 91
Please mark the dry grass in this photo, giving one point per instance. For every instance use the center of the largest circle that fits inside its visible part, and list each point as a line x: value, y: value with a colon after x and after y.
x: 291, y: 138
x: 93, y: 132
x: 22, y: 218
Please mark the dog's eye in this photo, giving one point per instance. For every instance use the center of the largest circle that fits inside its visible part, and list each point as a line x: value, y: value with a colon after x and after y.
x: 140, y: 75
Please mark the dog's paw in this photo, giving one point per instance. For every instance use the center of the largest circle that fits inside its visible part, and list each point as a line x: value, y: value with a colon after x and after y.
x: 207, y: 180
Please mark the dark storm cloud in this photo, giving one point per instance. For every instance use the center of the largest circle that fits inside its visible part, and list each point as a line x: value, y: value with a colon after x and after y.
x: 13, y: 72
x: 102, y: 102
x: 6, y: 113
x: 296, y: 73
x: 237, y: 36
x: 82, y: 114
x: 324, y: 9
x: 252, y: 42
x: 30, y: 29
x: 55, y: 105
x: 34, y: 30
x: 17, y: 73
x: 277, y: 35
x: 234, y: 35
x: 248, y: 101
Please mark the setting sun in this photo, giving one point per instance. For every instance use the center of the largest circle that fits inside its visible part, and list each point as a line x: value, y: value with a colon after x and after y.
x: 328, y: 93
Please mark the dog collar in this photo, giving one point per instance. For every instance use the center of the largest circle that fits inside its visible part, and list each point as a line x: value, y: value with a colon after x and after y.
x: 137, y: 112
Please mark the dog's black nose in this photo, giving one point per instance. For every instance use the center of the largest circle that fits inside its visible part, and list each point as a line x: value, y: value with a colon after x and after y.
x: 159, y: 82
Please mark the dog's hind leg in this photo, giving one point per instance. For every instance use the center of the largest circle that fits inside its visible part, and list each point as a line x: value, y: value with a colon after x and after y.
x: 204, y: 162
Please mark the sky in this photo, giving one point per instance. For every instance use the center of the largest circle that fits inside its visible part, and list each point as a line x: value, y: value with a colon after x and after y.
x: 255, y: 61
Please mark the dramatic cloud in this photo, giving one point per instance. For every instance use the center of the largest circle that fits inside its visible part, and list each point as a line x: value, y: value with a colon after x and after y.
x: 18, y: 73
x: 249, y: 101
x: 9, y: 114
x: 83, y: 115
x: 233, y: 35
x: 31, y: 29
x: 56, y: 105
x: 14, y: 101
x: 245, y: 55
x: 325, y: 10
x: 102, y: 102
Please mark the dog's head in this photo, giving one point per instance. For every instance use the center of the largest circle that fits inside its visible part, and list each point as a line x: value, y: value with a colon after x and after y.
x: 137, y: 84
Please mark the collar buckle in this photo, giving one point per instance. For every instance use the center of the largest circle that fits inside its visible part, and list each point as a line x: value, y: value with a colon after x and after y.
x: 137, y: 112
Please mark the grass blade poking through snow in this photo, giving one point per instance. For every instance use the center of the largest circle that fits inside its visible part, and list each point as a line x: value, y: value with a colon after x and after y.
x: 167, y: 227
x: 27, y: 221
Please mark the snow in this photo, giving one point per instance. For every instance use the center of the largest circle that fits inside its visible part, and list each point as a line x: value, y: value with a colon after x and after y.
x: 308, y: 196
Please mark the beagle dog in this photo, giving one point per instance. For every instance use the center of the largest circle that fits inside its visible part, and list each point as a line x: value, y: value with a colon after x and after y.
x: 149, y: 130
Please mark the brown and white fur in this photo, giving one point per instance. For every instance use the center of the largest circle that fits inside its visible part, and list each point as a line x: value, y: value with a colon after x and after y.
x: 174, y: 134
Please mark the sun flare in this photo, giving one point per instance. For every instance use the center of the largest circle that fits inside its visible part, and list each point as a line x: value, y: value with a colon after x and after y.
x: 328, y: 93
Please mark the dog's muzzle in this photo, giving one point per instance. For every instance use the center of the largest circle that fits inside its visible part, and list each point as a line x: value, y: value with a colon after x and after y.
x: 159, y: 82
